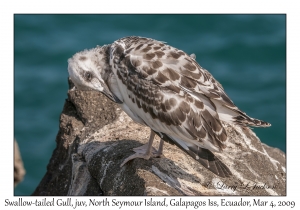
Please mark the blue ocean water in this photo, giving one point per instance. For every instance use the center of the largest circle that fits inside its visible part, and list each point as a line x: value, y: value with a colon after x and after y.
x: 245, y: 53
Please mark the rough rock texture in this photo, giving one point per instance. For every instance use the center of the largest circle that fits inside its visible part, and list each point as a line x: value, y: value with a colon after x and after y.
x: 95, y: 136
x: 19, y: 171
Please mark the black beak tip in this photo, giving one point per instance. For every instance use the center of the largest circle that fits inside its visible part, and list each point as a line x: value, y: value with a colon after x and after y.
x: 117, y: 100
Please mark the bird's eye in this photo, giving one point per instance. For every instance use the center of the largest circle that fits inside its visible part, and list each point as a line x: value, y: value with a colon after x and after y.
x: 88, y: 76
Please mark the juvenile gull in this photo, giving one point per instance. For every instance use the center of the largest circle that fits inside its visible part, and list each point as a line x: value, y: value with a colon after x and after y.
x: 164, y: 88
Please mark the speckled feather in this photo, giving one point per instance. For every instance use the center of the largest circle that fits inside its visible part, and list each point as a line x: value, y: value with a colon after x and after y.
x: 173, y: 88
x: 166, y: 89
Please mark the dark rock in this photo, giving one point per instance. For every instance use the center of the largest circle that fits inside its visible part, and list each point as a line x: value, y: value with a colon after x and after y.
x: 19, y: 171
x: 95, y: 136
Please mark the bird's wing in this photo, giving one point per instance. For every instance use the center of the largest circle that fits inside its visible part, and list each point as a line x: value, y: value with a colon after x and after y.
x: 173, y: 68
x: 161, y: 81
x: 173, y: 88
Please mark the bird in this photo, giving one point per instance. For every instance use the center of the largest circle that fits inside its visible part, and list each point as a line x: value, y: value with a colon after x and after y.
x: 164, y: 88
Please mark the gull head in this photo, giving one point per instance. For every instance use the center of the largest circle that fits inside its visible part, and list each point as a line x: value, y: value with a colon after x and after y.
x: 89, y: 70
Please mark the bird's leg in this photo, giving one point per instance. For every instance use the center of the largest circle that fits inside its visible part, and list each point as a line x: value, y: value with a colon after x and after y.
x: 160, y: 148
x: 140, y: 151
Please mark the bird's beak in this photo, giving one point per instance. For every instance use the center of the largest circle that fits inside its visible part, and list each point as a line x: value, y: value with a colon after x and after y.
x: 112, y: 97
x: 109, y: 94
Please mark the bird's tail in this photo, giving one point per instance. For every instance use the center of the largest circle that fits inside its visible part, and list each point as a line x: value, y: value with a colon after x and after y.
x: 233, y: 114
x: 248, y: 121
x: 203, y: 156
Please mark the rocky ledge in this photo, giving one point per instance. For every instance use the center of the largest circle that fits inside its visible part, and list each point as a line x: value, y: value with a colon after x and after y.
x: 95, y: 136
x: 19, y: 170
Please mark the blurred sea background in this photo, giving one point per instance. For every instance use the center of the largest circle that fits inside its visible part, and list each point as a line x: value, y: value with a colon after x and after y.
x: 245, y: 53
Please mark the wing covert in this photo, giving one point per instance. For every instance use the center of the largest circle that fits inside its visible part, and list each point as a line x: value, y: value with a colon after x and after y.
x: 156, y: 76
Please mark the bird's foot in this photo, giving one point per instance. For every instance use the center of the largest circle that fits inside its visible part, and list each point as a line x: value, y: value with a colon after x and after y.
x: 141, y: 152
x: 136, y: 155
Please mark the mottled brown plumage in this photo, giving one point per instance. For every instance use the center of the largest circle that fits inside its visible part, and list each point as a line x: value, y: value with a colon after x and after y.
x: 166, y: 89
